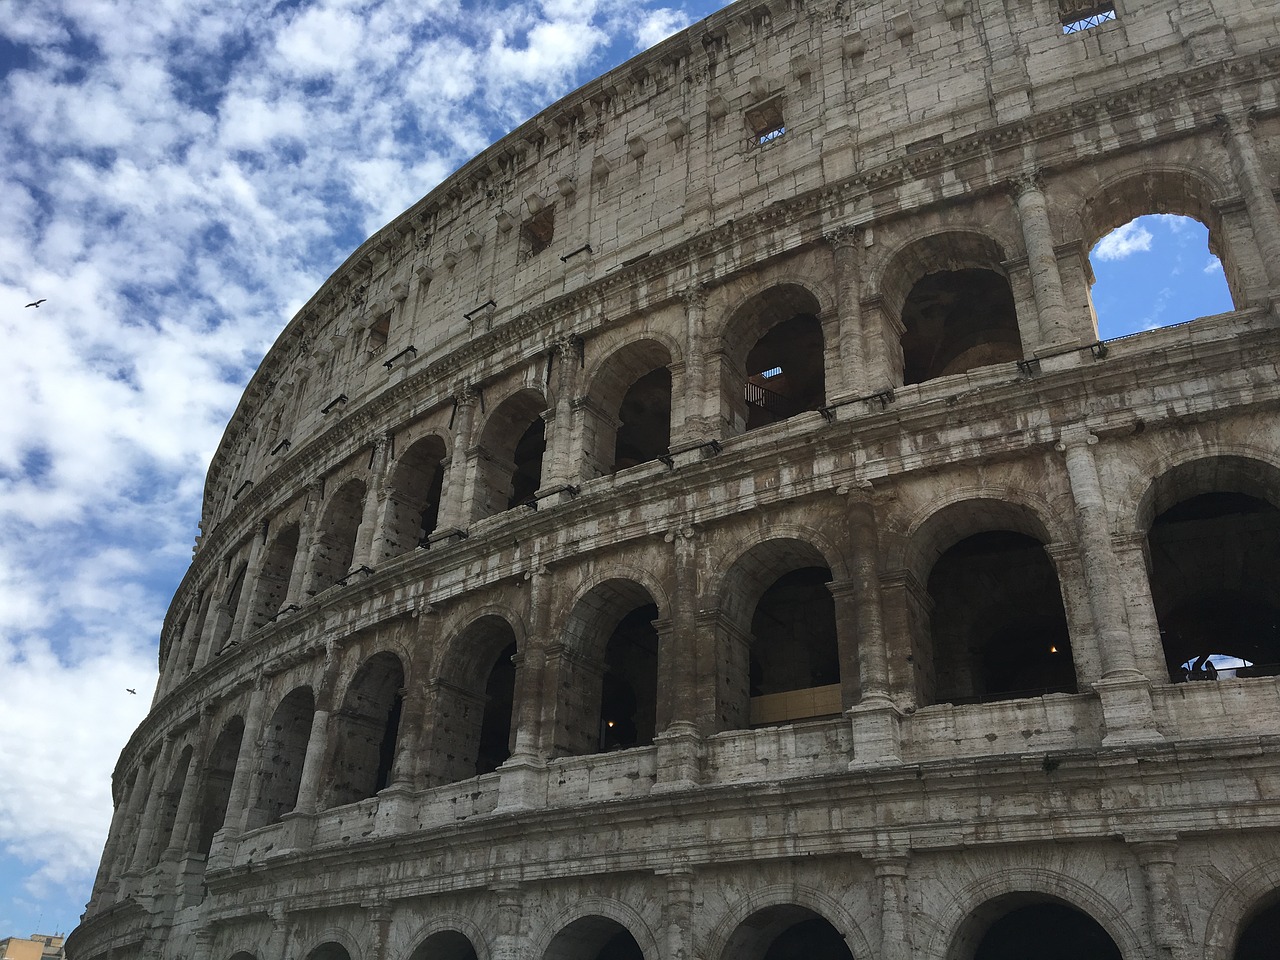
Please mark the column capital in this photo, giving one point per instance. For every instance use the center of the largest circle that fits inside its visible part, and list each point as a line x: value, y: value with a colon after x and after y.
x: 694, y: 297
x: 1025, y: 182
x: 844, y: 237
x: 1075, y: 436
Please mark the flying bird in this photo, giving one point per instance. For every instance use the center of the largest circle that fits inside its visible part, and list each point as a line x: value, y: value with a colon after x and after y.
x: 131, y: 690
x: 37, y: 302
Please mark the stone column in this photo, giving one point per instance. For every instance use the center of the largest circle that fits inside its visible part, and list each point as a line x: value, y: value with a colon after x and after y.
x: 560, y: 463
x: 1125, y: 693
x: 1144, y: 626
x: 701, y: 399
x: 155, y: 795
x: 884, y: 345
x: 457, y: 493
x: 111, y: 849
x: 236, y: 819
x: 895, y: 918
x: 300, y: 572
x: 680, y: 743
x: 1259, y: 197
x: 241, y: 624
x: 131, y: 824
x: 185, y: 820
x: 374, y: 502
x: 506, y: 942
x: 846, y: 366
x: 875, y: 717
x: 213, y: 615
x: 378, y: 918
x: 318, y: 740
x: 1167, y: 917
x: 679, y: 915
x: 413, y: 700
x: 1042, y: 263
x: 523, y: 784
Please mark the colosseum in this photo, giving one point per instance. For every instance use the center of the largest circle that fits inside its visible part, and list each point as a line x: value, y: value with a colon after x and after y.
x: 708, y: 525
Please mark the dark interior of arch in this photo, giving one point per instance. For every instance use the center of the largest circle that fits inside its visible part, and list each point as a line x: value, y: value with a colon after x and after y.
x: 1260, y: 935
x: 329, y: 951
x: 526, y: 475
x: 219, y: 771
x: 957, y: 320
x: 786, y: 932
x: 495, y: 723
x: 1047, y: 931
x: 283, y: 752
x: 785, y: 371
x: 445, y: 945
x: 365, y: 732
x: 793, y: 631
x: 629, y: 688
x: 413, y: 507
x: 594, y: 938
x: 273, y: 579
x: 998, y: 625
x: 644, y: 429
x: 1215, y: 582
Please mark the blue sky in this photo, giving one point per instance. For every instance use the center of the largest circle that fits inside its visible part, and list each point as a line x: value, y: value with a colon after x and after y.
x: 178, y: 177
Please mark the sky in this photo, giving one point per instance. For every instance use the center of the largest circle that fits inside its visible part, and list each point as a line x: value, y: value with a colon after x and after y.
x: 177, y: 177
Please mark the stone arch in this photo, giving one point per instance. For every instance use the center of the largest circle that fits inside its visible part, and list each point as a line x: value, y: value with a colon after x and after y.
x: 952, y: 294
x: 244, y: 955
x: 560, y: 940
x: 334, y: 943
x: 774, y: 364
x: 414, y: 491
x: 1212, y: 527
x: 512, y: 443
x: 365, y: 730
x: 215, y: 786
x: 227, y: 609
x: 948, y: 922
x: 628, y: 418
x: 1184, y: 190
x: 272, y: 587
x: 284, y: 747
x: 1065, y: 931
x: 471, y: 729
x: 1242, y: 898
x: 448, y: 937
x: 779, y: 655
x: 339, y: 527
x: 607, y: 691
x: 722, y: 939
x: 170, y: 799
x: 990, y: 621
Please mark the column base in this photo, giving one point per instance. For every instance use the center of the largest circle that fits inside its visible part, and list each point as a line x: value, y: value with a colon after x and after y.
x: 297, y: 830
x: 876, y: 733
x: 679, y: 758
x: 395, y: 809
x: 1127, y: 713
x: 522, y: 786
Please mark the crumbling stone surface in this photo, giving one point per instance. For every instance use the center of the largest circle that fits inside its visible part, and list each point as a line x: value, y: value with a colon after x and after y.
x: 789, y: 573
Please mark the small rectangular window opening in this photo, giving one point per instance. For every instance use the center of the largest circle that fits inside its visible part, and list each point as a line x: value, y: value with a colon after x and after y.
x: 1077, y: 16
x: 771, y: 372
x: 380, y: 331
x: 766, y: 122
x: 537, y: 231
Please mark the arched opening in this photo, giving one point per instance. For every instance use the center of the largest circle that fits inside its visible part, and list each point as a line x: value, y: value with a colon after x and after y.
x: 283, y: 751
x: 228, y: 608
x: 167, y: 815
x: 998, y: 625
x: 786, y: 932
x: 336, y: 546
x: 365, y: 731
x: 594, y: 938
x: 243, y: 955
x: 1020, y: 925
x: 957, y: 308
x: 1214, y: 547
x: 470, y: 731
x: 220, y: 770
x: 956, y: 321
x: 203, y: 599
x: 329, y: 951
x: 1259, y: 936
x: 445, y: 945
x: 644, y: 421
x: 609, y: 673
x: 413, y: 497
x: 273, y: 581
x: 775, y: 350
x: 778, y: 659
x: 795, y: 664
x: 495, y: 723
x: 512, y: 445
x: 628, y: 421
x: 1159, y: 252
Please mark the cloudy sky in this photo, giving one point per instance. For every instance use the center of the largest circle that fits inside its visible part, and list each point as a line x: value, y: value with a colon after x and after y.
x: 176, y: 178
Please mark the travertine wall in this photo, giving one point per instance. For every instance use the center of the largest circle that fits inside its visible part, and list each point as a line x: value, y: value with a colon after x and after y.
x: 339, y: 763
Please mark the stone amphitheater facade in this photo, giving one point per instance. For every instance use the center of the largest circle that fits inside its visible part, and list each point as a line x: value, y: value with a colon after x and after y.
x: 708, y: 525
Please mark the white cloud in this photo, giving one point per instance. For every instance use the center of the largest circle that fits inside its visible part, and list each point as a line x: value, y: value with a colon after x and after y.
x: 1213, y: 266
x: 659, y: 24
x: 1124, y: 241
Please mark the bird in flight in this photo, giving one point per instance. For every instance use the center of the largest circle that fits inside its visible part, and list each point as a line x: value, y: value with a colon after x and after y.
x: 37, y: 303
x: 131, y: 690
